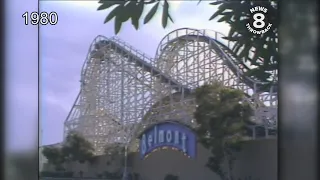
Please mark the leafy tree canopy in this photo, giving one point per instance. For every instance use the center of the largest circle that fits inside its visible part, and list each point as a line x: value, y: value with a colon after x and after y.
x: 74, y: 148
x: 258, y: 54
x: 77, y: 148
x: 222, y: 115
x: 54, y: 155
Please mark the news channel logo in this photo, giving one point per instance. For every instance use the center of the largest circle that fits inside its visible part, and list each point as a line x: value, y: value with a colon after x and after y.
x: 259, y: 21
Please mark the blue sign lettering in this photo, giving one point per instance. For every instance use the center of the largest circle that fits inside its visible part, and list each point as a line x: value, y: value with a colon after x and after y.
x: 168, y: 134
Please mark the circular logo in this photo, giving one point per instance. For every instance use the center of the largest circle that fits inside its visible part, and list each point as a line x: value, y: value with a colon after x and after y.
x: 259, y: 21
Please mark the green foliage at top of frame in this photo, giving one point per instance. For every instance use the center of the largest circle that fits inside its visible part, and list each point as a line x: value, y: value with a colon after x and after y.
x: 260, y: 66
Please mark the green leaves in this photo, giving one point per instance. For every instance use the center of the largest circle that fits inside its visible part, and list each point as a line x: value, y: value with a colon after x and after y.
x: 75, y: 148
x: 165, y: 14
x: 107, y: 4
x: 216, y: 2
x: 222, y: 121
x: 133, y: 10
x: 216, y: 14
x: 151, y: 13
x: 113, y: 13
x: 54, y: 155
x: 137, y: 14
x: 237, y: 15
x: 117, y: 25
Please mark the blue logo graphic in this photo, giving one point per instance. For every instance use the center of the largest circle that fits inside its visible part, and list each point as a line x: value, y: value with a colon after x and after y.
x: 168, y: 134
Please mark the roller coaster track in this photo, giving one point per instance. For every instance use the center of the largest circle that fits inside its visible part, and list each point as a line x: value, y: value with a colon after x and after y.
x: 104, y: 49
x: 147, y: 66
x: 229, y: 58
x: 223, y: 51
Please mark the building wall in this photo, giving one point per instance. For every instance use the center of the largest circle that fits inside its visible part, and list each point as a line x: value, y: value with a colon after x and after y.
x: 257, y: 159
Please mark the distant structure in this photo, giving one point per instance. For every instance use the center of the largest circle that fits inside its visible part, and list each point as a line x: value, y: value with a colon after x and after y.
x: 123, y: 91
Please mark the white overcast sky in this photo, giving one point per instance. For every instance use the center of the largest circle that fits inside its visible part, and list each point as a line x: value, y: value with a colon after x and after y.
x: 63, y: 49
